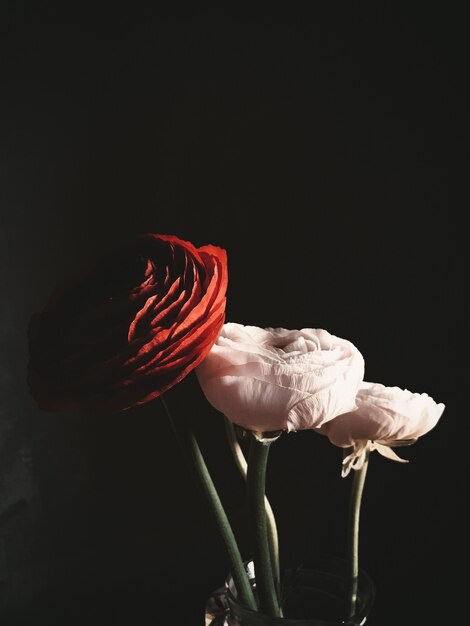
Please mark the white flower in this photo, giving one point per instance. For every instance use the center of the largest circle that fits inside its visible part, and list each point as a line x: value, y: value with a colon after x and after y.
x: 385, y: 416
x: 276, y: 379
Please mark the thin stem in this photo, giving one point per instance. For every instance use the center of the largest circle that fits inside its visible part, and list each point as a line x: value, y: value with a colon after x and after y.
x: 256, y: 483
x: 359, y: 477
x: 242, y: 465
x: 238, y: 571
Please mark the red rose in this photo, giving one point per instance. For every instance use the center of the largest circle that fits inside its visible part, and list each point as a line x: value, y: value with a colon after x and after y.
x: 130, y: 327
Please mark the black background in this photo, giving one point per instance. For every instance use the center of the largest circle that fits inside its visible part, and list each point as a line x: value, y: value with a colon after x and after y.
x: 326, y: 151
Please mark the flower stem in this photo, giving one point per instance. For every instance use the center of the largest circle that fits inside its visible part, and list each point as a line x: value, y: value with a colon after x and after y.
x: 238, y: 571
x: 242, y: 465
x: 359, y: 477
x: 256, y: 483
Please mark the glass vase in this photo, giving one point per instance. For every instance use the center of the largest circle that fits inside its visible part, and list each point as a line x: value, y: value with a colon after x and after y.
x: 315, y: 594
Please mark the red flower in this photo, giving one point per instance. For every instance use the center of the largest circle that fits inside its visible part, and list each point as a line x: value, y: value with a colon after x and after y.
x: 130, y: 327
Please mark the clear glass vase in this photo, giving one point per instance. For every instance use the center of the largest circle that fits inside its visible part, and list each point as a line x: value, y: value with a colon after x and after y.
x: 312, y: 595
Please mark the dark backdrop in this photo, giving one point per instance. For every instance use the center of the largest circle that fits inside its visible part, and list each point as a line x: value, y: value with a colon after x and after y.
x: 326, y: 150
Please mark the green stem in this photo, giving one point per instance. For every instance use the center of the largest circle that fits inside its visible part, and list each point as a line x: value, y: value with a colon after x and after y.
x: 242, y: 465
x: 238, y: 571
x: 256, y: 483
x: 357, y: 489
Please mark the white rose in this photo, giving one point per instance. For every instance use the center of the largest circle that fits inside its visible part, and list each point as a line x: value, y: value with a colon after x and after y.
x: 276, y: 379
x: 385, y: 416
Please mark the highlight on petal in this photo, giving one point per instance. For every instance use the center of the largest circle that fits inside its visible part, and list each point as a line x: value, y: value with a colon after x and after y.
x: 269, y: 379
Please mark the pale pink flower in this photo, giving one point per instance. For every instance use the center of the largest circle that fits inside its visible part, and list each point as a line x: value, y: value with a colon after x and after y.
x: 385, y: 417
x: 270, y: 379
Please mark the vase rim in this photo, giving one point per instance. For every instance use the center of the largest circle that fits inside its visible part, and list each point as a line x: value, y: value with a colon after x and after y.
x: 367, y: 592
